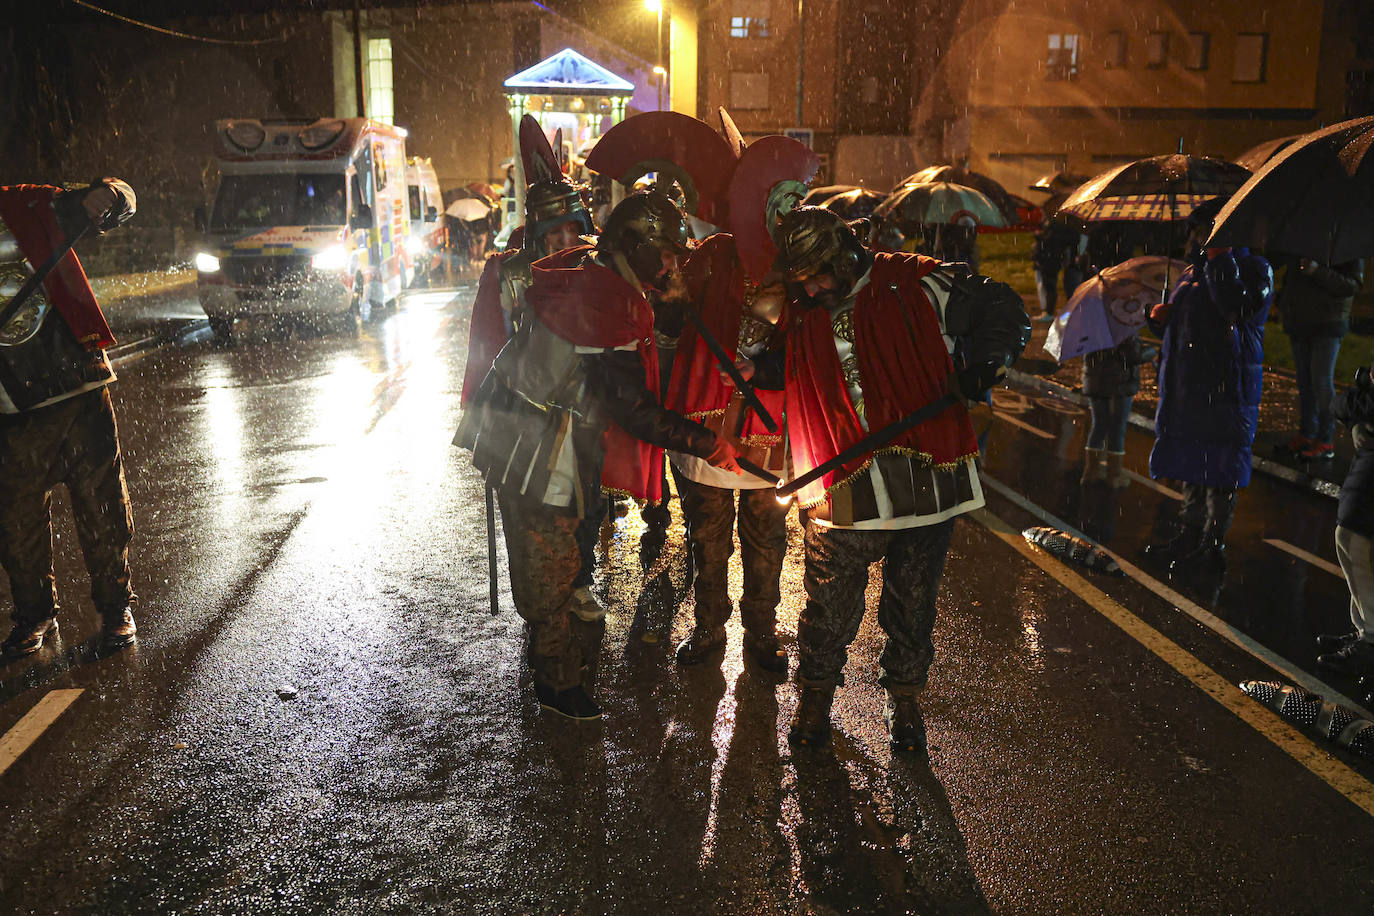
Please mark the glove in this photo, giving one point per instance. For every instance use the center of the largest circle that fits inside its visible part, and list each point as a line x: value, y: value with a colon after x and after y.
x: 1222, y: 267
x: 974, y: 381
x: 723, y: 456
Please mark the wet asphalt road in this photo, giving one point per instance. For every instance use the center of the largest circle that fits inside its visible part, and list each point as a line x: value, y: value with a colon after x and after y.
x: 322, y: 716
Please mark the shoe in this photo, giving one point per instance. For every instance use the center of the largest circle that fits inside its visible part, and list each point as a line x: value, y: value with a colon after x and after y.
x: 571, y: 703
x: 702, y: 642
x: 766, y: 652
x: 1330, y: 642
x: 906, y: 727
x: 1208, y: 556
x: 1094, y: 468
x: 585, y: 605
x: 811, y: 724
x: 117, y: 630
x: 28, y: 638
x: 1116, y: 475
x: 1355, y: 658
x: 1044, y: 317
x: 1318, y: 451
x: 1181, y: 543
x: 1296, y: 445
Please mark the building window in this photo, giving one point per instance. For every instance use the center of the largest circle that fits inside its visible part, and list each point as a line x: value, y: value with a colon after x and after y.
x: 1114, y: 50
x: 748, y: 90
x: 1157, y: 50
x: 380, y: 99
x: 868, y: 90
x: 1062, y: 62
x: 1252, y: 57
x: 1196, y: 50
x: 749, y: 19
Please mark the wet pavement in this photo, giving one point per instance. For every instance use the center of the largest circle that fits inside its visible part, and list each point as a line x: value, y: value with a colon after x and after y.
x: 322, y: 714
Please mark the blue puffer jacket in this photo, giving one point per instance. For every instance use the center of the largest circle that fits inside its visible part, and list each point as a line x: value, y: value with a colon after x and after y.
x: 1211, y: 371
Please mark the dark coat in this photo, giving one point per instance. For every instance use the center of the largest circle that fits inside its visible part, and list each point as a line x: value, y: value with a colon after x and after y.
x: 1211, y: 372
x: 1315, y: 298
x: 1115, y: 373
x: 1355, y: 407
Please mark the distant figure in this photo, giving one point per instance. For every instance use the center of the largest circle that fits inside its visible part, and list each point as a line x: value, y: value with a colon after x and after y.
x: 1111, y: 379
x: 1057, y: 248
x: 1315, y: 302
x: 1353, y: 653
x: 1210, y: 379
x: 57, y: 425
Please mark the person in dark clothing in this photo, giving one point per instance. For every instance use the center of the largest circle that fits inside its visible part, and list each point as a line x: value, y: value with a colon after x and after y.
x: 1315, y: 302
x: 1353, y: 652
x: 1211, y: 376
x: 57, y: 423
x: 1056, y: 249
x: 569, y: 409
x: 1111, y: 379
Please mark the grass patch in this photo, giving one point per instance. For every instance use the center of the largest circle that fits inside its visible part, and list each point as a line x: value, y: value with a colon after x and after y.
x: 1006, y: 257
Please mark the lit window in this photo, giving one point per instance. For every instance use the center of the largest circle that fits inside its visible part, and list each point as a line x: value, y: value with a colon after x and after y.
x: 380, y: 99
x: 1197, y: 50
x: 748, y: 90
x: 749, y: 19
x: 1062, y: 62
x: 1252, y: 57
x: 1114, y: 50
x: 1157, y: 50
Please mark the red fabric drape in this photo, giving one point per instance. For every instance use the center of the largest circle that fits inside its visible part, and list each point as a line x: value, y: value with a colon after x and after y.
x: 27, y: 210
x: 487, y: 331
x: 593, y: 306
x: 903, y: 365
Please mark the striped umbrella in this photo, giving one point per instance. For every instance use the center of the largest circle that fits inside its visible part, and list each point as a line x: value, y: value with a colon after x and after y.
x: 939, y: 202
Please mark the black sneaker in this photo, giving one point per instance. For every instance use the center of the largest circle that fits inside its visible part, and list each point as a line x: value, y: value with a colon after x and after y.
x: 117, y: 630
x: 906, y: 727
x: 573, y: 702
x: 1356, y: 658
x: 27, y: 638
x: 1330, y: 642
x: 766, y: 652
x: 701, y: 644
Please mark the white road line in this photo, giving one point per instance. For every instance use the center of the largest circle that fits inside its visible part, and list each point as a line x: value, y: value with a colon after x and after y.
x: 36, y: 721
x: 1201, y: 615
x: 1305, y: 556
x: 1024, y: 425
x: 1154, y: 485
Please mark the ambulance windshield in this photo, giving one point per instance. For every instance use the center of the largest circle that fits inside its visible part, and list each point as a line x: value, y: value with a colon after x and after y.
x: 254, y: 201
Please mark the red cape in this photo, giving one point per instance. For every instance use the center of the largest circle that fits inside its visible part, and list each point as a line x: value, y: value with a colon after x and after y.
x: 903, y: 365
x: 487, y: 331
x: 716, y: 283
x: 26, y: 210
x: 593, y: 306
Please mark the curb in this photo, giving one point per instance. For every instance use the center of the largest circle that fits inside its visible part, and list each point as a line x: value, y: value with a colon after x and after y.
x: 1263, y: 465
x: 179, y: 336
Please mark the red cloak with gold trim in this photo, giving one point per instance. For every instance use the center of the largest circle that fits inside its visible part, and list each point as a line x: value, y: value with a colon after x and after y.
x: 593, y: 306
x: 26, y: 210
x: 903, y: 365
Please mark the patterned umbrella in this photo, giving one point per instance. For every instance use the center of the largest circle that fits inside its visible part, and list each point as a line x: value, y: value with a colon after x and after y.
x: 1014, y: 209
x: 940, y: 202
x: 1158, y: 189
x: 1111, y: 306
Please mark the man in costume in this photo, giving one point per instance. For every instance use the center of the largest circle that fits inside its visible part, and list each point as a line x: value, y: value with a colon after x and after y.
x: 873, y: 340
x: 556, y: 218
x: 57, y: 424
x: 571, y: 407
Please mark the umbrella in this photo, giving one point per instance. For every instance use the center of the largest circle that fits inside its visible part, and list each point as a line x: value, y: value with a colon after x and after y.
x: 1111, y: 306
x: 1261, y: 153
x: 1158, y: 189
x: 817, y: 196
x: 942, y: 203
x: 1314, y: 199
x: 1058, y: 182
x: 468, y: 209
x: 858, y: 203
x: 1015, y: 210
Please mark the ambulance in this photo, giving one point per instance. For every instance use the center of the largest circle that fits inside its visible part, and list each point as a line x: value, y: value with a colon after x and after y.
x: 428, y: 235
x: 311, y: 218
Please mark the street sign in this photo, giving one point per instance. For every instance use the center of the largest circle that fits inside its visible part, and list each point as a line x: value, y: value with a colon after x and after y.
x: 804, y: 135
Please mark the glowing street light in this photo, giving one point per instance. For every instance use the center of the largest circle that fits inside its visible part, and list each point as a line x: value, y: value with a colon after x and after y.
x: 660, y: 70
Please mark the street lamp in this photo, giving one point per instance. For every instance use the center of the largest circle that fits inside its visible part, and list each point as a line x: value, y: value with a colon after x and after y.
x: 661, y: 70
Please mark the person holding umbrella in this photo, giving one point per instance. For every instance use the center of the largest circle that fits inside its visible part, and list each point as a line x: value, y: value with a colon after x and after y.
x: 1210, y: 378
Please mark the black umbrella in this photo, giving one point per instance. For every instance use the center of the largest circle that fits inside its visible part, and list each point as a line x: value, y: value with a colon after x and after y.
x: 1261, y: 153
x: 817, y: 196
x: 1157, y: 189
x: 1314, y: 199
x: 858, y: 203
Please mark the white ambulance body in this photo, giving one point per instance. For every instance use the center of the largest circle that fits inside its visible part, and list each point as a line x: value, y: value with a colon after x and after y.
x: 428, y: 234
x: 310, y: 218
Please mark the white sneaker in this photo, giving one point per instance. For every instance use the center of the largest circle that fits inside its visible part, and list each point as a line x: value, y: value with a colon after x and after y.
x: 585, y: 605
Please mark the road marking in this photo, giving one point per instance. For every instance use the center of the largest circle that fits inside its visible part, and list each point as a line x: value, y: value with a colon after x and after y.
x: 1154, y: 485
x: 26, y: 731
x: 1284, y: 736
x: 1026, y: 426
x: 1201, y: 615
x: 1305, y: 556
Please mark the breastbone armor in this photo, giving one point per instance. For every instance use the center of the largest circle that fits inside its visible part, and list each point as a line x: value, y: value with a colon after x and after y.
x: 40, y: 358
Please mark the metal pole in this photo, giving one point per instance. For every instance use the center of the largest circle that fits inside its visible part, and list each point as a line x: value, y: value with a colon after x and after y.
x: 358, y: 58
x: 801, y: 57
x: 662, y: 66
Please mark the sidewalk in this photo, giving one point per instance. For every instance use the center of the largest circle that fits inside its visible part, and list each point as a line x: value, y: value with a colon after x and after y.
x: 1278, y: 413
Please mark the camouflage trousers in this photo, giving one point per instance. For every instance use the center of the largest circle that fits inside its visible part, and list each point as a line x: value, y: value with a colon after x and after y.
x: 711, y: 518
x: 74, y: 442
x: 542, y: 547
x: 837, y: 562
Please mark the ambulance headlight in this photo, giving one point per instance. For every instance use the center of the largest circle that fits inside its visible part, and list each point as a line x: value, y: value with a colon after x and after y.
x: 415, y: 245
x: 334, y: 257
x: 206, y: 263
